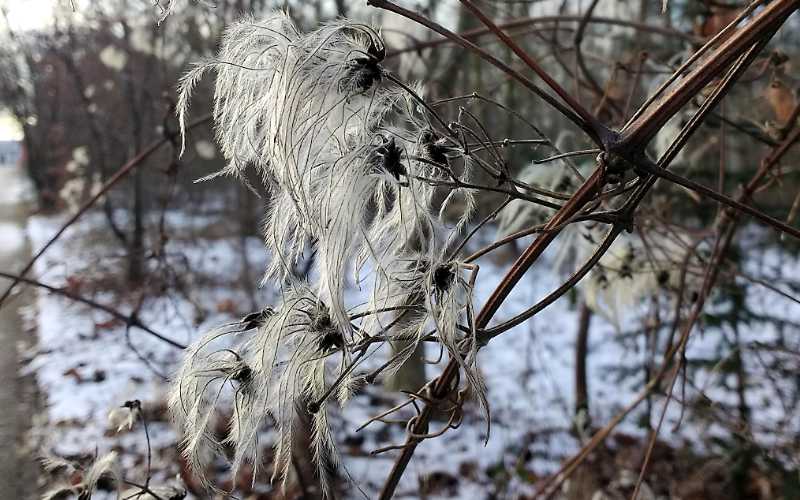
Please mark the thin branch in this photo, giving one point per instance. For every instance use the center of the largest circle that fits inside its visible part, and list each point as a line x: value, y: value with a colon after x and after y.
x: 561, y: 108
x: 598, y: 130
x: 577, y: 41
x: 526, y: 21
x: 131, y: 320
x: 569, y: 154
x: 721, y: 198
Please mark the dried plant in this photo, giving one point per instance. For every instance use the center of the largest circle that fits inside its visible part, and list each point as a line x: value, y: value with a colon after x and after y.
x: 363, y: 171
x: 328, y: 139
x: 352, y: 162
x: 103, y: 467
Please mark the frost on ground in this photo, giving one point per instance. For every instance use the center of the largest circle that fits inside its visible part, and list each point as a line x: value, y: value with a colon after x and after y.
x: 88, y: 364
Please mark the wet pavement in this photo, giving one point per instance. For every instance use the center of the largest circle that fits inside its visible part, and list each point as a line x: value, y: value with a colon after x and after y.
x: 17, y: 394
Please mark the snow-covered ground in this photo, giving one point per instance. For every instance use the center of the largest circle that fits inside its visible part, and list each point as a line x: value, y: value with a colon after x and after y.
x: 16, y: 186
x: 88, y: 364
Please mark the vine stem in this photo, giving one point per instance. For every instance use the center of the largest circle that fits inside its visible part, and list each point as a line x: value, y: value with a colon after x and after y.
x: 631, y: 145
x: 598, y: 130
x: 568, y: 113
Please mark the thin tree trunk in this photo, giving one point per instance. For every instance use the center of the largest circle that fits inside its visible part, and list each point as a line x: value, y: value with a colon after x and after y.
x: 411, y: 374
x: 744, y: 464
x: 136, y: 248
x: 136, y: 252
x: 581, y: 354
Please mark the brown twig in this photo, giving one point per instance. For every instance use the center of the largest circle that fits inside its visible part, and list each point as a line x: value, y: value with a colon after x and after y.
x: 128, y: 319
x: 526, y: 21
x: 577, y: 41
x: 748, y: 40
x: 526, y: 82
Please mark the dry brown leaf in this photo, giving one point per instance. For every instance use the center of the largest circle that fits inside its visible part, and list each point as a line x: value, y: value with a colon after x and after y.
x: 781, y: 99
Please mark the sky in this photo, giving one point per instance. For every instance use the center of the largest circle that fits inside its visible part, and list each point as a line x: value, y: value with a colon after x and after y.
x: 30, y: 14
x: 9, y: 128
x: 24, y: 15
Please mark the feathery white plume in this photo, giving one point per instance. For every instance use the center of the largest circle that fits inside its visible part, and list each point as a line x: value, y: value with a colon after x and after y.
x: 352, y: 165
x: 311, y: 114
x: 289, y: 355
x: 103, y: 467
x: 632, y: 271
x: 198, y: 387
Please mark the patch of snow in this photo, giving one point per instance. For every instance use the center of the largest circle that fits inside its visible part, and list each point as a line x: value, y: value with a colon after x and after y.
x: 113, y: 58
x: 16, y: 186
x: 12, y: 238
x: 87, y: 367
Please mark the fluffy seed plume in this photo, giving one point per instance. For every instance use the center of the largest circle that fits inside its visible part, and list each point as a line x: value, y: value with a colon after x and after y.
x: 314, y: 115
x: 352, y: 165
x: 105, y: 466
x: 198, y: 388
x: 292, y: 355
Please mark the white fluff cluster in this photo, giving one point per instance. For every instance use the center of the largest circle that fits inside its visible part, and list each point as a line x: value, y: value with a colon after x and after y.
x: 521, y: 214
x: 103, y: 467
x: 351, y: 163
x: 199, y: 385
x: 291, y: 353
x: 280, y: 368
x: 630, y: 272
x: 442, y: 294
x: 633, y: 271
x: 306, y: 111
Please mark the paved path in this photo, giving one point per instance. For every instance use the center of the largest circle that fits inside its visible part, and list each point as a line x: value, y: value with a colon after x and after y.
x: 17, y: 395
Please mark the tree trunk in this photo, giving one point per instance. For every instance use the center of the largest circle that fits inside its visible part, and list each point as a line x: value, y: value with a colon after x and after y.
x: 581, y: 353
x: 136, y: 250
x: 411, y: 374
x: 745, y: 451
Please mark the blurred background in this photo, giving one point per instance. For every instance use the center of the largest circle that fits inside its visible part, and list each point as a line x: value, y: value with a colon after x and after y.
x: 87, y: 86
